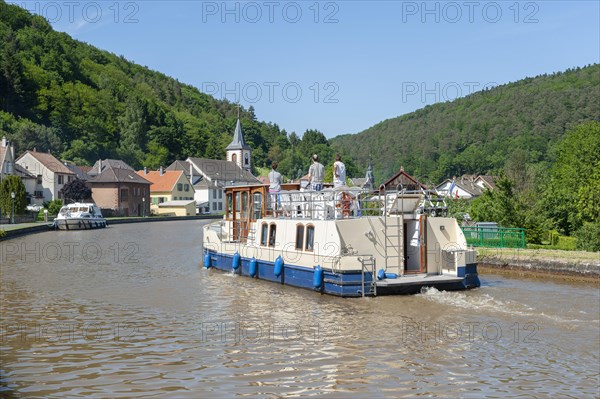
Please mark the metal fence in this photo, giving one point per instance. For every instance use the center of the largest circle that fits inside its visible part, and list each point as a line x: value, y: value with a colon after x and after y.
x: 27, y: 218
x: 496, y: 237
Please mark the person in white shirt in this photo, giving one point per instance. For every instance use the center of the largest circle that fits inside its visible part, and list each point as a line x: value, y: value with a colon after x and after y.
x: 339, y: 172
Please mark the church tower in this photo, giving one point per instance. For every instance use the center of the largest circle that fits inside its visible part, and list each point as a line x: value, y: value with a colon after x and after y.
x: 238, y: 151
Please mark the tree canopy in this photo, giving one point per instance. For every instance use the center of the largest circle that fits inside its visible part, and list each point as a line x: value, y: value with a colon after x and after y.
x: 76, y: 191
x: 12, y: 184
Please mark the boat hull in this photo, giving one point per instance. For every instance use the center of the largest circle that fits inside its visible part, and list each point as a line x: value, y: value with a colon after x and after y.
x: 79, y: 224
x: 344, y: 284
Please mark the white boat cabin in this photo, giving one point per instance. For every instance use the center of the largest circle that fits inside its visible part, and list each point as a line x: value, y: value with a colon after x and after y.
x: 342, y: 229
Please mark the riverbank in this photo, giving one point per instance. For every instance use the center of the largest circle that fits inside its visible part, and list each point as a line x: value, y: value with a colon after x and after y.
x: 14, y: 231
x: 568, y: 265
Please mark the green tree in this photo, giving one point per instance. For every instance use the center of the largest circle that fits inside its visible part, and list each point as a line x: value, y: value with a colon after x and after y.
x: 12, y: 184
x: 572, y: 196
x: 498, y: 205
x: 54, y: 206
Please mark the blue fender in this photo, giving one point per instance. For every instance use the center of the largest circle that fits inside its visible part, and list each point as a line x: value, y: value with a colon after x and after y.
x: 381, y: 274
x: 235, y: 262
x: 207, y: 264
x: 391, y: 275
x: 318, y: 277
x: 253, y: 267
x: 278, y: 266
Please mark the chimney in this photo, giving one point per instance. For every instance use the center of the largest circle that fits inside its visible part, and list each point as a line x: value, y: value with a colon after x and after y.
x: 145, y: 171
x: 191, y: 174
x: 4, y: 141
x: 99, y: 166
x: 162, y: 171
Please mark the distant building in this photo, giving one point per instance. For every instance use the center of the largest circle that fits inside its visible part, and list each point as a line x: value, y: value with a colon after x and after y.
x: 210, y: 177
x: 367, y: 182
x: 238, y: 151
x: 50, y: 175
x: 403, y: 180
x: 466, y: 187
x: 177, y: 208
x: 117, y: 188
x: 167, y: 186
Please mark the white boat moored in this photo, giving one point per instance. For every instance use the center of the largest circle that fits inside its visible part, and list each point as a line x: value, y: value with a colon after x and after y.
x: 79, y: 216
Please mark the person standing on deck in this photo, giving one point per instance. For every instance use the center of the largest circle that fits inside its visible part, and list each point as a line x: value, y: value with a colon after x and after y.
x: 275, y: 181
x: 339, y: 172
x: 316, y: 172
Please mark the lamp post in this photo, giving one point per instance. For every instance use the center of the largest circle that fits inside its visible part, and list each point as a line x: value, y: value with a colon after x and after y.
x: 143, y: 207
x: 12, y: 214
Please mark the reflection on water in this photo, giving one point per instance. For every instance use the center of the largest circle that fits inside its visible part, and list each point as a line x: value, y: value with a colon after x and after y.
x: 129, y: 312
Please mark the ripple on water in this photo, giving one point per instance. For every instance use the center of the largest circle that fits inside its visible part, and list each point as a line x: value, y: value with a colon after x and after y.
x: 164, y: 327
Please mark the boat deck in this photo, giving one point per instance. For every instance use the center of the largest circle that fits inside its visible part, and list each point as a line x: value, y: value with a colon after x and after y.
x: 419, y: 279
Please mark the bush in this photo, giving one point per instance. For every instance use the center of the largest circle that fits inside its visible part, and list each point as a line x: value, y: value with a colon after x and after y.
x: 54, y: 207
x: 2, y: 233
x: 588, y: 237
x: 567, y: 243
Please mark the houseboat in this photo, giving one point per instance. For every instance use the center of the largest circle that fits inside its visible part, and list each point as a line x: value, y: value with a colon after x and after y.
x: 344, y: 241
x: 79, y: 216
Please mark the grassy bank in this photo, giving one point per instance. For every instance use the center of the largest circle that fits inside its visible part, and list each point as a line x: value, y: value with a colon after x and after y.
x: 541, y: 263
x: 511, y: 254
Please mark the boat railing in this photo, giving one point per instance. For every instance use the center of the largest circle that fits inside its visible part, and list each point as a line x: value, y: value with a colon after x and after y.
x: 352, y: 202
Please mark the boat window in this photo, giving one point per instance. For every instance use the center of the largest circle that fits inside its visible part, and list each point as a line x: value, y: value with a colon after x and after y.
x: 299, y: 236
x: 310, y: 237
x: 272, y: 234
x: 237, y: 205
x: 264, y: 232
x: 244, y: 205
x: 257, y: 206
x: 229, y: 205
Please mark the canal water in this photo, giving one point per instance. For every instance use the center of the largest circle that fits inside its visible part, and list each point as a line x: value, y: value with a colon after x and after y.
x: 129, y: 312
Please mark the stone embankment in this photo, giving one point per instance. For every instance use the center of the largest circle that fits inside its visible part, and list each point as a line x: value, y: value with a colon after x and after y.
x: 32, y: 228
x: 574, y: 264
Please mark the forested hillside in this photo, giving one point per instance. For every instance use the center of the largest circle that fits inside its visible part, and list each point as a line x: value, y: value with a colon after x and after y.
x: 480, y: 133
x: 83, y: 103
x: 541, y: 135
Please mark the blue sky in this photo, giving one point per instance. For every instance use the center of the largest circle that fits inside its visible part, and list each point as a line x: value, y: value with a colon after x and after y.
x: 337, y: 66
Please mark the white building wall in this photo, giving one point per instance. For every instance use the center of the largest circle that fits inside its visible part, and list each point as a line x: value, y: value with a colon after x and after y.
x: 36, y: 168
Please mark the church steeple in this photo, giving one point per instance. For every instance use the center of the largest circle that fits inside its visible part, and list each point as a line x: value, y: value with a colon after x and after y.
x: 238, y: 151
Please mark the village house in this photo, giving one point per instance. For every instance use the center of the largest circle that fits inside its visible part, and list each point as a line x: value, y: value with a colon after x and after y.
x: 169, y: 188
x: 403, y: 180
x: 50, y: 176
x: 118, y: 190
x: 365, y: 183
x: 210, y: 176
x: 466, y: 187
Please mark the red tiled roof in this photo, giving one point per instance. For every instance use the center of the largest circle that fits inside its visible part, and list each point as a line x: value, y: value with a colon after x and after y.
x: 164, y: 183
